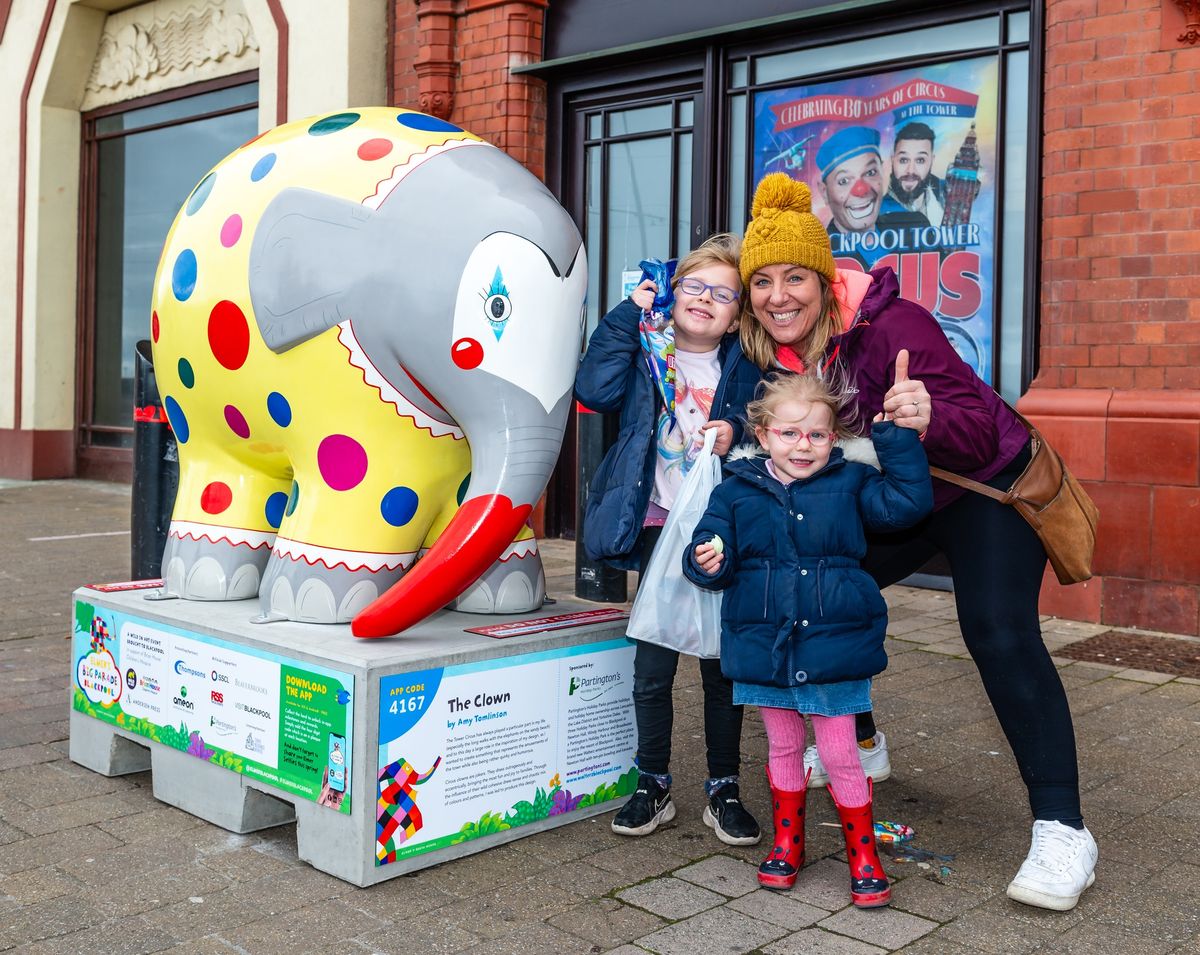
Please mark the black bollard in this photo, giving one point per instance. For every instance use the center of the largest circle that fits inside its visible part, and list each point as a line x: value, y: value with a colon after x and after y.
x: 155, y: 471
x: 593, y: 580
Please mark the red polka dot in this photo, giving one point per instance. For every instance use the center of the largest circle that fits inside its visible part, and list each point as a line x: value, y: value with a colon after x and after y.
x: 374, y: 149
x: 228, y: 335
x: 154, y: 325
x: 231, y: 231
x: 467, y: 353
x: 216, y: 497
x: 342, y: 462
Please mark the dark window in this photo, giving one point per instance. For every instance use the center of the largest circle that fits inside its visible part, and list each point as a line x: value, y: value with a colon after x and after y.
x: 140, y: 161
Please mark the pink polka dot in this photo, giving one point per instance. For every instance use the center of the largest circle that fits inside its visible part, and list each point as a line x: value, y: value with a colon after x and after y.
x: 342, y: 462
x: 154, y: 325
x: 228, y: 335
x: 231, y: 231
x: 216, y: 497
x: 237, y: 422
x: 374, y: 149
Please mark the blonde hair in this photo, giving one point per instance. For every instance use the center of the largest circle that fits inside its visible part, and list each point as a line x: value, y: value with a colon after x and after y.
x: 777, y: 389
x: 760, y: 347
x: 720, y: 249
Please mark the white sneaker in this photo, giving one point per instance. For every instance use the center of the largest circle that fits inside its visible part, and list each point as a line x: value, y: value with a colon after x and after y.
x: 1060, y: 865
x: 875, y: 762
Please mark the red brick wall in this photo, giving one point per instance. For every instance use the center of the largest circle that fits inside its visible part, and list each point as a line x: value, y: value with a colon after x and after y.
x: 505, y: 109
x: 403, y: 89
x: 1118, y: 386
x: 487, y: 38
x: 1121, y: 190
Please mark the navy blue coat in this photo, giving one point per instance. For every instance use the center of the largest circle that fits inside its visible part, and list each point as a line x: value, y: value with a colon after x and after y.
x: 798, y: 607
x: 613, y: 376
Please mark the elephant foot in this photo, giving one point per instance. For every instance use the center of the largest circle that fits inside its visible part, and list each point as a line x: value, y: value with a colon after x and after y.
x: 516, y: 583
x: 197, y: 567
x: 314, y: 592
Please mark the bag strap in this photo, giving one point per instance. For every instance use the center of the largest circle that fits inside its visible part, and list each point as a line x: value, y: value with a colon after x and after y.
x: 951, y: 478
x: 1004, y: 497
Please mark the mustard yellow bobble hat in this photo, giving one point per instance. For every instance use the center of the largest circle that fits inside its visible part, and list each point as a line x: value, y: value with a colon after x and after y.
x: 784, y: 229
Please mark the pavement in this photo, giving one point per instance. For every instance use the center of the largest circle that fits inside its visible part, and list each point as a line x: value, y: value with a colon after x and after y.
x: 91, y: 864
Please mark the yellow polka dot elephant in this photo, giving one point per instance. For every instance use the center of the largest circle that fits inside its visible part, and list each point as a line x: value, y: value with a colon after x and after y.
x: 365, y: 329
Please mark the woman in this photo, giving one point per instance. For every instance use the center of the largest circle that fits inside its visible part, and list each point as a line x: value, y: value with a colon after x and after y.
x: 804, y: 314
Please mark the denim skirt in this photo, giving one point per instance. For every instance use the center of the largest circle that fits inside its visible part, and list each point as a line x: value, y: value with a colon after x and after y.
x: 821, y: 699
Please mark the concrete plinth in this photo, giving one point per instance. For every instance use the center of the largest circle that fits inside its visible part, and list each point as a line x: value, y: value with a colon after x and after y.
x: 390, y: 755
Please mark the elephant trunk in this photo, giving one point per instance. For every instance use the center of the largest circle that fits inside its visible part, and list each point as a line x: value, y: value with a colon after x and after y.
x: 510, y: 469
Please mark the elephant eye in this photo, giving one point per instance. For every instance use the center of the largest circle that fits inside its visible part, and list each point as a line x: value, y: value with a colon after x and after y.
x: 497, y: 306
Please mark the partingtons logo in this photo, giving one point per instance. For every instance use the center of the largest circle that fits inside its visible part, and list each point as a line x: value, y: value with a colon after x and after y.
x: 589, y: 688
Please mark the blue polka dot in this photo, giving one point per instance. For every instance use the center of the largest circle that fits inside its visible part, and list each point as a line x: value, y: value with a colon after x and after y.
x: 293, y: 499
x: 200, y: 193
x: 275, y: 506
x: 279, y: 409
x: 177, y: 418
x: 332, y: 124
x: 262, y: 167
x: 426, y: 124
x: 398, y: 506
x: 462, y: 489
x: 186, y: 374
x: 183, y: 275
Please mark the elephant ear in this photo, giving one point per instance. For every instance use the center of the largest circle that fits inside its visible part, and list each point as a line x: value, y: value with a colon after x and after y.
x: 310, y: 252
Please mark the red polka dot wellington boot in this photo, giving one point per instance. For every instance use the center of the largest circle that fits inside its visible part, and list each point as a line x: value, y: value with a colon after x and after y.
x: 785, y: 860
x: 868, y: 883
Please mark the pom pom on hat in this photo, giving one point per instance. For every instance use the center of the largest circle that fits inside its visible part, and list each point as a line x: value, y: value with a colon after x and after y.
x: 784, y: 230
x: 781, y: 192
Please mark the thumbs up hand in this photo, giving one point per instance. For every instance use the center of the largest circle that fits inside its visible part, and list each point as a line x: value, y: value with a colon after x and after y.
x: 907, y: 403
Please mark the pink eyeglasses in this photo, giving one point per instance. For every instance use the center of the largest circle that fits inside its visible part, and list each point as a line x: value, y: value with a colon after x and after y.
x: 817, y: 437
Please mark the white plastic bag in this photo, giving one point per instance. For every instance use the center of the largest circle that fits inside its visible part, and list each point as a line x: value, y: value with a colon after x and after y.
x: 669, y: 609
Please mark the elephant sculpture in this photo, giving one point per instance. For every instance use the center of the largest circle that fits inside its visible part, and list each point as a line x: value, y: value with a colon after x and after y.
x: 365, y: 329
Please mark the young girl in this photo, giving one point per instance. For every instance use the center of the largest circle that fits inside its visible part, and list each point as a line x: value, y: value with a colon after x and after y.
x: 802, y: 624
x: 629, y: 499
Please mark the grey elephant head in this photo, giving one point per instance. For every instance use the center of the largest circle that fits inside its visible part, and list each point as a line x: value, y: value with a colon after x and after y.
x: 464, y: 288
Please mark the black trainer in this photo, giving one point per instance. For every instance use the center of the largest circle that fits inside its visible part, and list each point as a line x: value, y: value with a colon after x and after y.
x: 729, y: 819
x: 647, y: 807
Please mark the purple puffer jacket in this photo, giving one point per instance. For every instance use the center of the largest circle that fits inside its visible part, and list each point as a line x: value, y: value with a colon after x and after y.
x: 971, y: 431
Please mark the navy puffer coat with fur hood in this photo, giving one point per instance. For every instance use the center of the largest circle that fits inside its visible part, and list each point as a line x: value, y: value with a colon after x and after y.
x: 798, y: 607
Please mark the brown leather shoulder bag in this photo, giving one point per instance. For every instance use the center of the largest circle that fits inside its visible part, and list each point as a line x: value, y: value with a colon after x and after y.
x: 1052, y: 503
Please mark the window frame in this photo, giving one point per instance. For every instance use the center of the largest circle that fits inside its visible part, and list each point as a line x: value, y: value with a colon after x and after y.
x: 100, y: 461
x: 747, y: 52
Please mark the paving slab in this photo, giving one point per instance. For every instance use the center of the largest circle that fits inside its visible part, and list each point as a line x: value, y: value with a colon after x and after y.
x: 671, y: 898
x: 606, y: 923
x: 722, y: 874
x: 819, y: 942
x: 888, y: 927
x: 779, y: 908
x: 720, y: 931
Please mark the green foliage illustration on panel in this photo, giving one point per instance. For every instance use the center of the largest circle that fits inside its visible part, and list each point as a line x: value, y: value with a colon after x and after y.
x: 545, y: 803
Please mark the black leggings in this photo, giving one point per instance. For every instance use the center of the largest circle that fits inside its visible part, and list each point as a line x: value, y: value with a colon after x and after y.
x: 997, y: 563
x: 653, y: 678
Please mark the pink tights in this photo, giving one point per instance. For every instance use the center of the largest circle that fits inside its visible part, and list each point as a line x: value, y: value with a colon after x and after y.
x: 837, y: 746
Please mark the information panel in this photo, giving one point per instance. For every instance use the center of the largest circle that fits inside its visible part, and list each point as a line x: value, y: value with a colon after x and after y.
x: 473, y: 750
x: 256, y: 713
